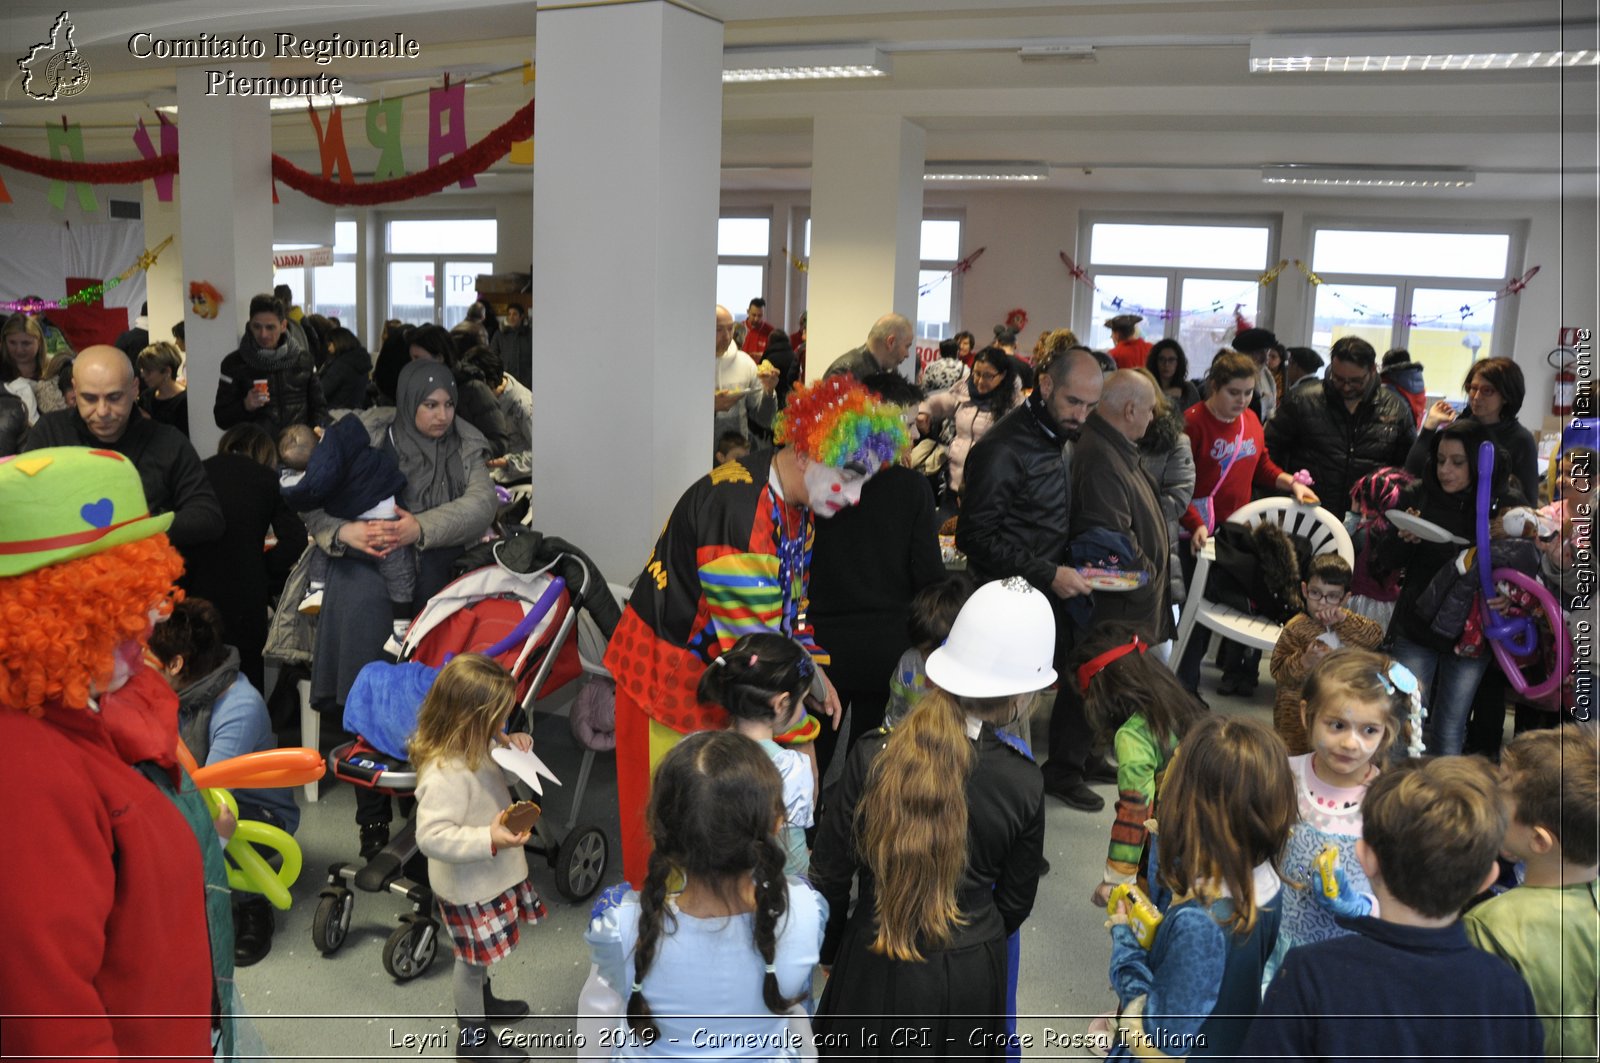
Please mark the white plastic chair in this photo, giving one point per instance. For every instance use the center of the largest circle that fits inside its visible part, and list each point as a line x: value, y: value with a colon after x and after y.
x: 1321, y: 528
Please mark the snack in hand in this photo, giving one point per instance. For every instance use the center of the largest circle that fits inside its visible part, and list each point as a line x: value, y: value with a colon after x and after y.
x: 520, y: 817
x: 1328, y: 867
x: 1143, y: 917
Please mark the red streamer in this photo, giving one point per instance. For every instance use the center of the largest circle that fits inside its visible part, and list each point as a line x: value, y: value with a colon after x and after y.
x: 474, y: 160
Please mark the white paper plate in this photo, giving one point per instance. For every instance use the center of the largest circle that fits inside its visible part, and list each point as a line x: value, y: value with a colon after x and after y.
x: 1426, y: 530
x: 525, y: 766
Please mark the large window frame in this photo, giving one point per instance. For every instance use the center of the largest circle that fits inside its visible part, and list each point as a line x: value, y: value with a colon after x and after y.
x: 1089, y: 316
x: 761, y: 262
x: 439, y: 260
x: 800, y: 221
x: 1501, y: 335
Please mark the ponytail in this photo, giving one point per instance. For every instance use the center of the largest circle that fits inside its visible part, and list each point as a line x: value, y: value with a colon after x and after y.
x: 652, y: 914
x: 912, y: 827
x: 746, y: 678
x: 772, y: 901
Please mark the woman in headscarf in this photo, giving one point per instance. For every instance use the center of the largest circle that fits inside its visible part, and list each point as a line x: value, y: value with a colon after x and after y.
x: 447, y: 505
x: 477, y: 403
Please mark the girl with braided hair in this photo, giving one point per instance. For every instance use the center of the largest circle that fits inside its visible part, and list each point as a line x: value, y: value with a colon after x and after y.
x: 714, y: 951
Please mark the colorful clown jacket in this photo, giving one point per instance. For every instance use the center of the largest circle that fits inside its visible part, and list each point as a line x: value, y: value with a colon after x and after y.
x: 733, y: 560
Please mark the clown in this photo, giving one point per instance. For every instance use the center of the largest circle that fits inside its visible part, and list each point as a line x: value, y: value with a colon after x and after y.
x: 734, y: 559
x: 105, y: 902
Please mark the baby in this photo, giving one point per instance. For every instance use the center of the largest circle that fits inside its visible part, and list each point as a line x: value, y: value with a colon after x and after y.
x: 347, y: 477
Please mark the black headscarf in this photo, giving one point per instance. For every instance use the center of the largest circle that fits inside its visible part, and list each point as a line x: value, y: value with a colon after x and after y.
x: 432, y: 467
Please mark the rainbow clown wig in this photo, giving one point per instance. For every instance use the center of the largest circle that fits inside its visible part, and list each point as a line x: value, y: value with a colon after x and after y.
x: 839, y: 423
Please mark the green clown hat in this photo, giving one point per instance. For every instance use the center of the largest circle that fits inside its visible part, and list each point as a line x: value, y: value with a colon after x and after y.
x: 63, y: 503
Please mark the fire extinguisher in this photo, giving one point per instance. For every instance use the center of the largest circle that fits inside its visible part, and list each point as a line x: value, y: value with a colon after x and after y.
x: 1563, y: 359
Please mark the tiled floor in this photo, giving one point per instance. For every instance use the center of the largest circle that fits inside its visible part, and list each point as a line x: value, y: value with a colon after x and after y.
x: 309, y: 1006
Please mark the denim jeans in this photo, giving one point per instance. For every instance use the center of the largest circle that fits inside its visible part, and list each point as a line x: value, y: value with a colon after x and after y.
x: 1448, y: 683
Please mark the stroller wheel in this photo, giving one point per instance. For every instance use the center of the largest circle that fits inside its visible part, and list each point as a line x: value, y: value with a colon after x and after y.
x: 581, y: 863
x: 332, y: 922
x: 411, y: 948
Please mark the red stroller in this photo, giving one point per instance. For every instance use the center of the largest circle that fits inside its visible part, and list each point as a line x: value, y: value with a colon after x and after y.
x: 524, y: 622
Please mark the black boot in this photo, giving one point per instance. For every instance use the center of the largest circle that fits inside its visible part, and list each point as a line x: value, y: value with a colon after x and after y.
x: 478, y: 1041
x: 503, y: 1011
x: 374, y: 836
x: 253, y: 925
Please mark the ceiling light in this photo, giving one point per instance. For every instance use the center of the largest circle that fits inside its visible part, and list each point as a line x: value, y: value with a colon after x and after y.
x: 1535, y: 48
x: 1368, y: 176
x: 986, y: 171
x: 292, y: 103
x: 804, y: 63
x: 1071, y: 53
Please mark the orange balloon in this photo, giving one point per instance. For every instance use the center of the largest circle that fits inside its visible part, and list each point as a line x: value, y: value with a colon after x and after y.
x: 296, y: 766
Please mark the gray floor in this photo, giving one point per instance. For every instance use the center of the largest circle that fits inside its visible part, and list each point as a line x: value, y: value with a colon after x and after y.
x: 344, y: 1006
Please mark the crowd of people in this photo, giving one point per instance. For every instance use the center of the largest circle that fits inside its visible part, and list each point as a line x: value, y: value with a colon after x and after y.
x: 822, y: 731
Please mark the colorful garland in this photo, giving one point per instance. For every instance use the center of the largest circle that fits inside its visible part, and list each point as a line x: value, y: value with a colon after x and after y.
x: 959, y: 268
x: 476, y: 159
x: 94, y: 292
x: 837, y: 421
x: 1512, y: 286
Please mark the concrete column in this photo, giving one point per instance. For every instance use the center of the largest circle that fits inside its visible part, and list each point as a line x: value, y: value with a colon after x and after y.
x: 164, y: 289
x: 225, y: 156
x: 624, y: 270
x: 866, y: 229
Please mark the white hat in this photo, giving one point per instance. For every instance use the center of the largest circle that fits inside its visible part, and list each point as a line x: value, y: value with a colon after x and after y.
x: 1002, y: 643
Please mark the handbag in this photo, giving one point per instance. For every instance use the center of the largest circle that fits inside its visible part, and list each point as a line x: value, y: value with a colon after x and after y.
x: 1206, y: 507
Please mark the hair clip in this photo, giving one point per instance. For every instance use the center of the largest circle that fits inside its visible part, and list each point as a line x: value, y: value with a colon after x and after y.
x: 719, y: 661
x: 636, y: 987
x: 772, y: 968
x: 755, y: 659
x: 1400, y: 679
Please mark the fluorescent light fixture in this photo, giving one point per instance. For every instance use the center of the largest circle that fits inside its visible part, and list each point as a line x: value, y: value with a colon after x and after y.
x: 1540, y: 47
x: 1071, y: 53
x: 986, y: 171
x: 804, y: 63
x: 292, y: 103
x: 1368, y: 176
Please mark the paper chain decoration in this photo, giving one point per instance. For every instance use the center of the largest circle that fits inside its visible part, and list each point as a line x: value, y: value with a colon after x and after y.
x: 1512, y: 286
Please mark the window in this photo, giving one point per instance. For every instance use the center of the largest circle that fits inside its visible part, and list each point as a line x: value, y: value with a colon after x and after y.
x: 743, y: 244
x: 326, y: 290
x: 1186, y: 279
x: 1428, y: 291
x: 432, y: 266
x: 938, y: 288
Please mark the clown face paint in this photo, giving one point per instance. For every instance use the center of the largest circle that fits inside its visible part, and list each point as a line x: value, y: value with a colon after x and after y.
x: 829, y: 490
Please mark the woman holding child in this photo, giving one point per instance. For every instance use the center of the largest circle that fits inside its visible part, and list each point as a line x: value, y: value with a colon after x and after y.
x: 447, y: 505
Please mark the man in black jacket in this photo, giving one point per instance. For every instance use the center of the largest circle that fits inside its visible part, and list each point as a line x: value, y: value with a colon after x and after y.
x: 1343, y: 430
x: 1015, y: 519
x: 174, y: 480
x: 271, y: 379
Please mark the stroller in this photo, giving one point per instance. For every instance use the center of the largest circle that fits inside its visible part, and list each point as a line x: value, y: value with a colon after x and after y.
x: 523, y: 621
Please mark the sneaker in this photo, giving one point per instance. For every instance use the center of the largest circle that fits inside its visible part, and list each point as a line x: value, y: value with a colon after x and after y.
x: 311, y: 604
x: 374, y: 836
x: 1076, y: 795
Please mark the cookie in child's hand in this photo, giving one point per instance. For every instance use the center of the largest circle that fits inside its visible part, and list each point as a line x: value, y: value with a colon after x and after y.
x: 520, y: 817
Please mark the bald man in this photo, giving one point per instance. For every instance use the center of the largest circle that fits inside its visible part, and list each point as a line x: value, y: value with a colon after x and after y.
x: 1116, y: 500
x: 104, y: 417
x: 889, y: 342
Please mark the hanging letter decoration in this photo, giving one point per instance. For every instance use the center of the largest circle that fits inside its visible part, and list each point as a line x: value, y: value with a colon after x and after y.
x: 385, y: 122
x: 169, y: 146
x: 335, y: 156
x: 69, y: 139
x: 448, y: 105
x: 522, y: 150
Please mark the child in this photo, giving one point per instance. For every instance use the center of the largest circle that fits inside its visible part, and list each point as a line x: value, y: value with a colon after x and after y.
x: 1407, y: 984
x: 1133, y: 700
x: 1548, y: 928
x: 731, y: 446
x: 690, y: 963
x: 1358, y: 705
x: 475, y: 863
x: 933, y: 611
x: 939, y: 824
x: 1371, y: 595
x: 1309, y: 637
x: 352, y: 480
x: 762, y: 682
x: 1225, y: 812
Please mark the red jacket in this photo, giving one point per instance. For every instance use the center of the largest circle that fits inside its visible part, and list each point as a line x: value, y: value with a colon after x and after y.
x: 1213, y: 443
x: 1131, y: 354
x: 755, y: 340
x: 102, y: 903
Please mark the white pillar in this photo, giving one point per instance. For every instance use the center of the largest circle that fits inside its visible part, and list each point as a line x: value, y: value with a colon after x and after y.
x: 164, y: 289
x: 225, y: 156
x: 866, y: 229
x: 624, y: 270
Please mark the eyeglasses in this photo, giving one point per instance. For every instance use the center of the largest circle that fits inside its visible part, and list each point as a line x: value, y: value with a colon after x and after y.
x: 984, y: 378
x: 1331, y: 598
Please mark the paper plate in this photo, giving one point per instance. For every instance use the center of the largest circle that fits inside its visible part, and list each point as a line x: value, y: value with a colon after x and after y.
x: 524, y: 766
x: 1113, y: 579
x: 1426, y: 530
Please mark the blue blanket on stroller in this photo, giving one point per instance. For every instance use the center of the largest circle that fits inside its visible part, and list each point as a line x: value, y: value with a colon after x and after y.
x: 384, y: 702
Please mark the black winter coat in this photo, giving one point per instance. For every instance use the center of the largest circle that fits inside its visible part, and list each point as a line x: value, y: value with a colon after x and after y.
x: 294, y: 390
x: 1420, y: 562
x: 1313, y: 430
x: 13, y: 424
x: 344, y: 380
x: 1015, y: 503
